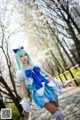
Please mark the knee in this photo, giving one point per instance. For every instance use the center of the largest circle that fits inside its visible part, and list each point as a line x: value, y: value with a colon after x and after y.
x: 46, y: 104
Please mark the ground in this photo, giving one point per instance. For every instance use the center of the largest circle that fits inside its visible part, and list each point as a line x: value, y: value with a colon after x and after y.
x: 69, y: 105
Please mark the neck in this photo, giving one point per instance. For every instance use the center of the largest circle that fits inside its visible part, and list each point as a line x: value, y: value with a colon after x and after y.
x: 26, y: 64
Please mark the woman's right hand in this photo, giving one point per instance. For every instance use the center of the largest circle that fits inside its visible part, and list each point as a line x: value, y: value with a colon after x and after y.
x: 26, y: 114
x: 26, y: 104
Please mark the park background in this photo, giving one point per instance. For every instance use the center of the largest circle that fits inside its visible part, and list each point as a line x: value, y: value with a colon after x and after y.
x: 50, y: 32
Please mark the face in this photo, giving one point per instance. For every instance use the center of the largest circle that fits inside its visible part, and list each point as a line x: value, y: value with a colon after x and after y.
x: 24, y: 58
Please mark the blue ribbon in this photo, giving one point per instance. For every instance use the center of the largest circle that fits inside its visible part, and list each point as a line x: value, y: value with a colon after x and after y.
x: 36, y: 76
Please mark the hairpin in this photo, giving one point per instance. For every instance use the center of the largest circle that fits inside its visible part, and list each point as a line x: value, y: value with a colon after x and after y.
x: 15, y: 50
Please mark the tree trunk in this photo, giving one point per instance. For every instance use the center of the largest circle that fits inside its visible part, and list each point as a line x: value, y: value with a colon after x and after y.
x: 72, y: 33
x: 2, y: 104
x: 61, y: 55
x: 75, y: 39
x: 70, y: 17
x: 11, y: 95
x: 56, y: 60
x: 73, y: 54
x: 57, y: 39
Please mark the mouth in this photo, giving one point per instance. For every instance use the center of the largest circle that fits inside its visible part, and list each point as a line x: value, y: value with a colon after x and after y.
x: 25, y: 60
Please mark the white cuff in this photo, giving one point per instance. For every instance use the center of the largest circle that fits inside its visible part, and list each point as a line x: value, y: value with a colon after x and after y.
x: 51, y: 84
x: 26, y: 104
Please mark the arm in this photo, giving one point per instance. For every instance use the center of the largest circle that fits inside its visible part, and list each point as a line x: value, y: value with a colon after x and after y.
x: 46, y: 74
x: 24, y: 89
x: 58, y: 83
x: 25, y: 102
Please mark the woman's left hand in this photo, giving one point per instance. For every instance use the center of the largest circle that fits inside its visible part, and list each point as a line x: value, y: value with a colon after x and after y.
x: 26, y: 114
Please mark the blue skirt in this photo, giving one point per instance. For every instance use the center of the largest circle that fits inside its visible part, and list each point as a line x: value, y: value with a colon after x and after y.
x: 48, y: 93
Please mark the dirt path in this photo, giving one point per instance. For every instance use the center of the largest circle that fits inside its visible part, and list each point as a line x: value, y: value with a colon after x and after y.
x: 69, y: 105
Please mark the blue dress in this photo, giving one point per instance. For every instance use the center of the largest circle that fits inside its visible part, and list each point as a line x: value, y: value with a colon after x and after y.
x: 41, y: 87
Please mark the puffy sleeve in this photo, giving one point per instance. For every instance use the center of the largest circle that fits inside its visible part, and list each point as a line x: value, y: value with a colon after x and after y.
x: 20, y: 76
x: 44, y: 72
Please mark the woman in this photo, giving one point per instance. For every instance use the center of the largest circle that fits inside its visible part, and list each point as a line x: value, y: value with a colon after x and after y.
x: 39, y: 83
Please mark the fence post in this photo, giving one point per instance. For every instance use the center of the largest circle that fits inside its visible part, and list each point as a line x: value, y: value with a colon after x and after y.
x: 73, y: 78
x: 65, y: 76
x: 60, y: 78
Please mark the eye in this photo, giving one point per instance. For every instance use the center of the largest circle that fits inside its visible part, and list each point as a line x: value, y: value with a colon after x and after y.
x: 26, y: 54
x: 21, y: 56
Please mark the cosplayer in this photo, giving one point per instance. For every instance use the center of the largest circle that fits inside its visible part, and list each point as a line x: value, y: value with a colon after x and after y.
x: 34, y: 79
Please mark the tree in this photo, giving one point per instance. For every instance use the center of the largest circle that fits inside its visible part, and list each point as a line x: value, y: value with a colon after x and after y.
x: 63, y: 13
x: 6, y: 71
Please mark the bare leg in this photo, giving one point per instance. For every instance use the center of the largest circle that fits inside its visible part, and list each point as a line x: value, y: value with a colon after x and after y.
x: 56, y: 103
x: 50, y: 107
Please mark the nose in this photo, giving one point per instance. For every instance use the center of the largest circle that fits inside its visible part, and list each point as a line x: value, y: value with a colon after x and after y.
x: 25, y: 57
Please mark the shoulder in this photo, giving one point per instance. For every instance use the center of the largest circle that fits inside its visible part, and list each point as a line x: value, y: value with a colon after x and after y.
x: 19, y: 73
x: 37, y: 65
x: 20, y: 76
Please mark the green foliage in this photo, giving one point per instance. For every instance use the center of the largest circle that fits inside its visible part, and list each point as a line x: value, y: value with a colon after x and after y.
x: 15, y: 113
x: 75, y: 72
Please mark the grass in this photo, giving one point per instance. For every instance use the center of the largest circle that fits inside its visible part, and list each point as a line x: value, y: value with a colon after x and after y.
x: 15, y: 113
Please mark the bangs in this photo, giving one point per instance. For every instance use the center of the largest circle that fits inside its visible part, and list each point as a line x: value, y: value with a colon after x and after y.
x: 18, y: 60
x: 21, y: 52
